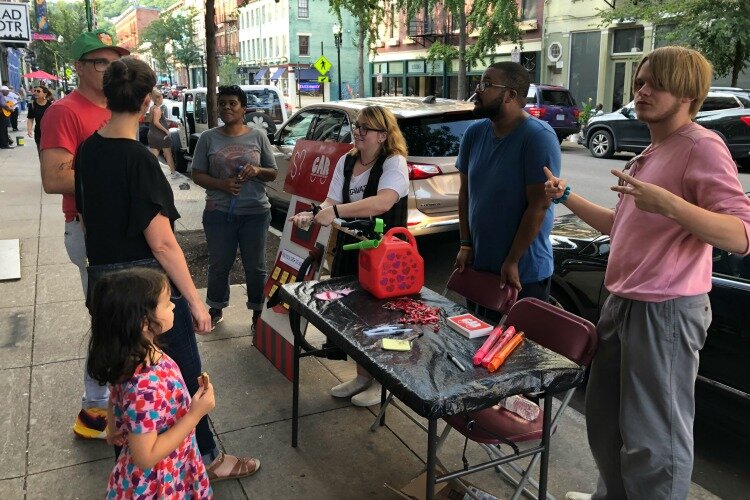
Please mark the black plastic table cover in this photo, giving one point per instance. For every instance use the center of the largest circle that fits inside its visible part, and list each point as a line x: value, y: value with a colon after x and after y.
x: 424, y: 378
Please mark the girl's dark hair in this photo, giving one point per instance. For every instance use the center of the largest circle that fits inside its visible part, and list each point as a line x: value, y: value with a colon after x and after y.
x: 127, y: 82
x: 234, y: 90
x: 121, y: 303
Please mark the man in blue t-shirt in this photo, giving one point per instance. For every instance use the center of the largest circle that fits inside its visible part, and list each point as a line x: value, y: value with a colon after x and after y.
x: 504, y: 217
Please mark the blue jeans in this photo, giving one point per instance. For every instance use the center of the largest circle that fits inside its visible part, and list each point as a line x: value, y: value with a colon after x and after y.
x: 179, y: 344
x: 224, y: 233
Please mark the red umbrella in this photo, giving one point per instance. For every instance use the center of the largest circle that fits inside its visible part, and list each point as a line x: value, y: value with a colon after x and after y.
x: 41, y: 75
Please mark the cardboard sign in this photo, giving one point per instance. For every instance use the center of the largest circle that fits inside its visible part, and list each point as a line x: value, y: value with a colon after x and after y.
x: 311, y: 168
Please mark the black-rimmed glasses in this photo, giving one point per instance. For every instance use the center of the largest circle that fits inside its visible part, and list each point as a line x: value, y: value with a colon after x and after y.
x: 100, y: 65
x: 363, y: 129
x: 482, y: 86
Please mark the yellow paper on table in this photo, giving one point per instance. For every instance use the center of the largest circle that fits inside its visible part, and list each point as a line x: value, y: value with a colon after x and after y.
x: 396, y: 345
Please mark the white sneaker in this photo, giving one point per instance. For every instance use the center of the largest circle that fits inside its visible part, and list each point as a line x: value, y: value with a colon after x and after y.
x: 369, y: 397
x: 575, y: 495
x: 350, y: 388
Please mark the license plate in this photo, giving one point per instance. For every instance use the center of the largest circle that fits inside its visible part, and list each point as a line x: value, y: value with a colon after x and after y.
x: 560, y: 117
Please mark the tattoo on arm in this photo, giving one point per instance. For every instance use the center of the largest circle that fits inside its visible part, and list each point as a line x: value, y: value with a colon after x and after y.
x: 66, y: 165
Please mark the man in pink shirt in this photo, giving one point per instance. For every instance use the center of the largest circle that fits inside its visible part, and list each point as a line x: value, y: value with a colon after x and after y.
x: 678, y: 198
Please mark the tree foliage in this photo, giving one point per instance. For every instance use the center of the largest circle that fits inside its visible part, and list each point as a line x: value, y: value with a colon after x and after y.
x: 717, y: 28
x: 177, y: 31
x: 114, y: 8
x: 228, y: 70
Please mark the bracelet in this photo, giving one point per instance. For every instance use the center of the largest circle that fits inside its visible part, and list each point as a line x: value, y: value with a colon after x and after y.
x: 466, y: 247
x: 336, y: 211
x: 466, y: 243
x: 564, y: 197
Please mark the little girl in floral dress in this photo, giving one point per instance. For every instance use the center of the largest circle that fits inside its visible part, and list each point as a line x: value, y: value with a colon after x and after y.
x: 153, y: 415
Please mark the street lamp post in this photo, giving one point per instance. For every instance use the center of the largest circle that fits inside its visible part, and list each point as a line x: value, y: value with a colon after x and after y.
x: 337, y: 41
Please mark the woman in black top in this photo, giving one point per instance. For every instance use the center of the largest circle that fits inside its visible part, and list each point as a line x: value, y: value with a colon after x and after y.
x: 42, y: 100
x: 128, y: 210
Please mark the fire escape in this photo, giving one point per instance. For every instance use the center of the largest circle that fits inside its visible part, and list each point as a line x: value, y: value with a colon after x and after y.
x: 426, y: 28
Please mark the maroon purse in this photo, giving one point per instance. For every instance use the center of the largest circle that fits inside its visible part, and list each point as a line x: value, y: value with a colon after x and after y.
x: 483, y: 288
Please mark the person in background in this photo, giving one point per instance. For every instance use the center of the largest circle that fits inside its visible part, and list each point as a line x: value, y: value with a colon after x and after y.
x: 158, y: 133
x: 15, y: 98
x: 372, y: 180
x: 676, y: 200
x: 152, y: 413
x: 37, y: 108
x: 599, y: 110
x: 128, y: 210
x: 233, y: 162
x: 22, y: 97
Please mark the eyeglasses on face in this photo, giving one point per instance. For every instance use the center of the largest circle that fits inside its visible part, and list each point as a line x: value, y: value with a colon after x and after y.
x: 363, y: 129
x: 482, y: 86
x: 99, y: 64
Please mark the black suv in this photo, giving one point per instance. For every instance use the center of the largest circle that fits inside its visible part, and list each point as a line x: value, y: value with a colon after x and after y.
x: 556, y: 106
x: 722, y: 112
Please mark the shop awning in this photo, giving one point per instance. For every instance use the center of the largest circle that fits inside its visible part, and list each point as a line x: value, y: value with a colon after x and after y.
x: 309, y: 74
x: 279, y: 72
x: 260, y: 74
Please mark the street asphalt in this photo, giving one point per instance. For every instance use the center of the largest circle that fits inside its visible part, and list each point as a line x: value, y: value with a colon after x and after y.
x: 43, y: 334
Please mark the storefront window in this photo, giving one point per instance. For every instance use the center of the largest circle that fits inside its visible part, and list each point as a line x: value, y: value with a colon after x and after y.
x: 628, y: 40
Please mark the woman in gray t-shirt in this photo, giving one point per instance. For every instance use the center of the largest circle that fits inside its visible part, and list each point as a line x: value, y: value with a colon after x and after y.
x: 233, y: 162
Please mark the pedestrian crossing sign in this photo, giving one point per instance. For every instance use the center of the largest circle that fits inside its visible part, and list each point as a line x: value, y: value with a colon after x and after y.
x: 323, y: 65
x: 323, y: 79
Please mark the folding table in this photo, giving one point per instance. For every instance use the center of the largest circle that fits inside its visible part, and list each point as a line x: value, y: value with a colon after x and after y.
x: 424, y: 379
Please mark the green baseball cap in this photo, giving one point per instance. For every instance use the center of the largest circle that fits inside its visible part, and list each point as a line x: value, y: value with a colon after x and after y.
x: 93, y: 40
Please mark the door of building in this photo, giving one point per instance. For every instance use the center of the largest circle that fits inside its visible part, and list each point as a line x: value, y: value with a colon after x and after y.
x: 622, y: 90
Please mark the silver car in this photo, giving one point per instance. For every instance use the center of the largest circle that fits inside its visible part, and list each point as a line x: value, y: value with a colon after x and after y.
x: 433, y: 129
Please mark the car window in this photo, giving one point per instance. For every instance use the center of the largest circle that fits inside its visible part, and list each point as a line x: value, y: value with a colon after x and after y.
x: 328, y: 126
x: 296, y: 128
x: 713, y: 103
x: 531, y: 96
x: 201, y: 108
x: 189, y: 103
x: 267, y: 101
x: 435, y: 135
x: 557, y: 98
x: 731, y: 266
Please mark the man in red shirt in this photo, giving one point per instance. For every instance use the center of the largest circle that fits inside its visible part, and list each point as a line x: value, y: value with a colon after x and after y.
x: 67, y: 123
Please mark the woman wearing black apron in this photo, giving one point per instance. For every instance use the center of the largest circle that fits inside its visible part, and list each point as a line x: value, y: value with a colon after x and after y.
x: 371, y: 180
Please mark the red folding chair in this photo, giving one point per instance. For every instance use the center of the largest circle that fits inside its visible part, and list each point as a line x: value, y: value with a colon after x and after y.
x: 557, y: 330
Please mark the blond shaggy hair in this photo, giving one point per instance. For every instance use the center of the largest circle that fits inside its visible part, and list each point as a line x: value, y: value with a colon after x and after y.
x: 378, y: 117
x: 683, y: 72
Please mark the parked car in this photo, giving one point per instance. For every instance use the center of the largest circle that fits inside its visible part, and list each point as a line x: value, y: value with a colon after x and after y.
x: 556, y: 106
x: 621, y: 130
x: 433, y: 129
x: 580, y: 255
x: 265, y: 108
x: 742, y: 94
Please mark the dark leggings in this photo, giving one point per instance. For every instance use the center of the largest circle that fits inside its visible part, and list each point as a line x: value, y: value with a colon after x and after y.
x: 536, y: 289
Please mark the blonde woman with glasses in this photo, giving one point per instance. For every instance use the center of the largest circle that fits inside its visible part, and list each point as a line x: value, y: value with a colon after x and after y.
x: 371, y: 180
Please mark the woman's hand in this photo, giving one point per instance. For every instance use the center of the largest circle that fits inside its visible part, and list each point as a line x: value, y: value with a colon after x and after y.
x: 203, y: 401
x: 201, y: 318
x: 232, y: 185
x: 30, y: 131
x: 248, y: 171
x: 302, y: 220
x: 326, y: 216
x: 554, y: 187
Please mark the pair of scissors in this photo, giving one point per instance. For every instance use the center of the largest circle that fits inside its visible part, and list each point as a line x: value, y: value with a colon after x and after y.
x: 386, y: 330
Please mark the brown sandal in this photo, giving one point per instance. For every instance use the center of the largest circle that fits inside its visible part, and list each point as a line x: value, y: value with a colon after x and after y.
x: 243, y: 468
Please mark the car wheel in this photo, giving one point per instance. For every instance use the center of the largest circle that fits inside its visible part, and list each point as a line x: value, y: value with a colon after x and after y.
x: 178, y: 155
x: 601, y: 144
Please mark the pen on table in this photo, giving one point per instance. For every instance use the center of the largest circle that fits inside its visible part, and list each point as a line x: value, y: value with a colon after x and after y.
x: 456, y: 362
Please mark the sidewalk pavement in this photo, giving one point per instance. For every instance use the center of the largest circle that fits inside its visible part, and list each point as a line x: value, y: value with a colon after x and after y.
x: 43, y: 328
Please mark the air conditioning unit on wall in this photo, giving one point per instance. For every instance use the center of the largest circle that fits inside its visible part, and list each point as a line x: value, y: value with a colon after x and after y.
x: 554, y: 53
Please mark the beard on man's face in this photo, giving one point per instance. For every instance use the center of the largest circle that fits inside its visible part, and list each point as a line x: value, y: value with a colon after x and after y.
x: 483, y: 109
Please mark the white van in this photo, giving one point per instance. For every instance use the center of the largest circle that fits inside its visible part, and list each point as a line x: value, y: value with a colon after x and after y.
x: 265, y: 108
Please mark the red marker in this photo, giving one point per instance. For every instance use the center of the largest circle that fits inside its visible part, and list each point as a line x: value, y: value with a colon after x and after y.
x: 504, y: 338
x: 482, y: 352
